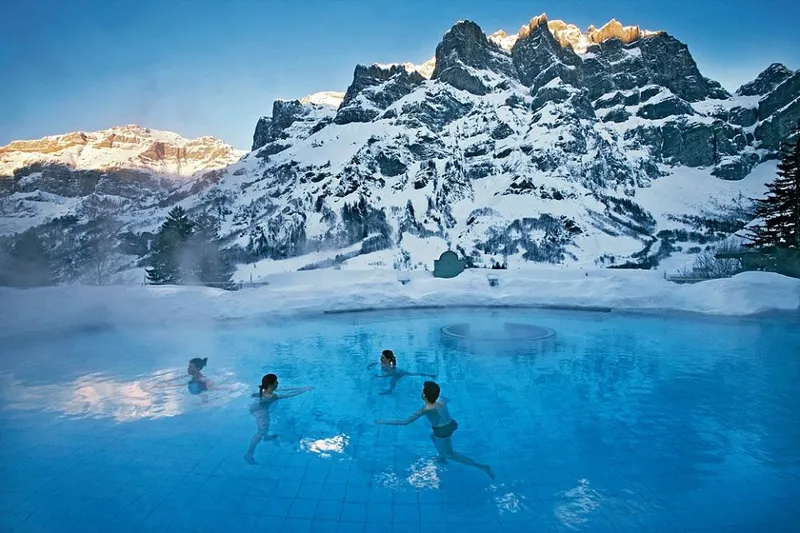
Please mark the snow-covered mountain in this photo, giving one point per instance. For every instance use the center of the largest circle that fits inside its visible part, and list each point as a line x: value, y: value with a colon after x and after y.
x: 552, y: 144
x: 128, y: 147
x: 55, y: 175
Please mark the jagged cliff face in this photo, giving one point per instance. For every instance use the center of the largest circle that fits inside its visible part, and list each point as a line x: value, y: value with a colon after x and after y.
x: 551, y: 144
x: 606, y: 146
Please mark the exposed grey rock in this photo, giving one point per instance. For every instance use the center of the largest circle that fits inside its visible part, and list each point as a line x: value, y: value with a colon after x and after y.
x: 465, y: 49
x: 501, y: 131
x: 374, y: 88
x: 776, y: 129
x: 435, y: 111
x: 538, y: 58
x: 743, y: 116
x: 735, y: 168
x: 619, y: 114
x: 783, y: 94
x: 668, y: 107
x: 672, y: 66
x: 766, y: 81
x: 261, y: 135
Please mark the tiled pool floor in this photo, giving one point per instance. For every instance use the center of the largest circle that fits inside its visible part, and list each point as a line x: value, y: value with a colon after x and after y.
x: 626, y: 424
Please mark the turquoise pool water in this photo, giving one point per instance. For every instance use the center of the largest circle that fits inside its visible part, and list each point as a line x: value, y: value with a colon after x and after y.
x: 618, y: 423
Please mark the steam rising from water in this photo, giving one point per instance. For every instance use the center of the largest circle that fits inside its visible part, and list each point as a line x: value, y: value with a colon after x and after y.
x: 97, y: 395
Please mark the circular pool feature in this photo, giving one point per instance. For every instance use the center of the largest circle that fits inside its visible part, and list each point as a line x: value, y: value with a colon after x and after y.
x: 509, y: 332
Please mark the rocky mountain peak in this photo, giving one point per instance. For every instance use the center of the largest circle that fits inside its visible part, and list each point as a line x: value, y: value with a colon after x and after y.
x: 465, y: 50
x: 570, y: 35
x: 771, y: 77
x: 603, y: 146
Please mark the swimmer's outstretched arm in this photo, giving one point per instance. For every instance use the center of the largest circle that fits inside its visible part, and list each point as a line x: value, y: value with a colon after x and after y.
x: 371, y: 365
x: 291, y: 394
x: 403, y: 422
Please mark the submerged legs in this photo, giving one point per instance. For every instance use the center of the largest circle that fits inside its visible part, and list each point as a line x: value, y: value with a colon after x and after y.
x: 445, y: 448
x: 262, y: 421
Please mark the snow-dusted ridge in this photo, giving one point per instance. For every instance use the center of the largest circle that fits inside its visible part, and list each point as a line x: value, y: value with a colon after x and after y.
x: 330, y: 99
x: 571, y: 35
x: 122, y: 147
x: 568, y: 35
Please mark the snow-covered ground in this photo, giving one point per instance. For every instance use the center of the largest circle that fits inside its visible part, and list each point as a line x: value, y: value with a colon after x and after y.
x: 297, y: 293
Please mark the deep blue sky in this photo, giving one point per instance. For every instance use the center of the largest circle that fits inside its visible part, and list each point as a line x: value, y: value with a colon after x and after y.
x: 213, y: 67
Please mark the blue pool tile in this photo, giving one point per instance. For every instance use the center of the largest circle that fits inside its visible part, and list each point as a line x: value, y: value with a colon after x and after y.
x: 215, y: 522
x: 379, y: 512
x: 334, y: 491
x: 405, y: 513
x: 328, y: 510
x: 353, y: 512
x: 315, y: 476
x: 158, y: 520
x: 269, y: 523
x: 296, y: 525
x: 311, y: 491
x: 350, y: 527
x: 381, y: 495
x: 11, y: 520
x: 269, y: 487
x: 250, y: 504
x: 405, y: 527
x: 303, y: 509
x: 323, y: 526
x: 230, y: 502
x: 377, y: 527
x: 357, y: 494
x: 279, y: 490
x: 405, y: 497
x: 278, y: 507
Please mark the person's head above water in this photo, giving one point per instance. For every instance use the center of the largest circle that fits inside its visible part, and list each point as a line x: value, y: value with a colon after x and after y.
x: 430, y: 391
x: 197, y: 364
x: 268, y: 383
x: 388, y: 358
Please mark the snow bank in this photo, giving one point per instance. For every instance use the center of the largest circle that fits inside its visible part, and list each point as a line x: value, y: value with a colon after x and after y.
x: 295, y: 293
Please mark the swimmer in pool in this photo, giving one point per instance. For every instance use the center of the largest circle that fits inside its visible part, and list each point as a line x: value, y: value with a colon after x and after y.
x: 442, y: 424
x: 199, y: 383
x: 388, y: 364
x: 260, y: 410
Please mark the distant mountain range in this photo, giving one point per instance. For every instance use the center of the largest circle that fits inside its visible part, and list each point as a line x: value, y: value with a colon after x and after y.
x: 549, y: 145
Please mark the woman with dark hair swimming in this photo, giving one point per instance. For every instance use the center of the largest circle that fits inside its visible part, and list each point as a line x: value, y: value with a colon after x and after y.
x: 388, y: 364
x: 199, y: 383
x: 442, y: 424
x: 260, y: 410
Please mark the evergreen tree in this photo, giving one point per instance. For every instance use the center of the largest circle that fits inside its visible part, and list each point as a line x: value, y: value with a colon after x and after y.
x: 210, y: 265
x: 779, y: 211
x: 168, y: 264
x: 28, y: 262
